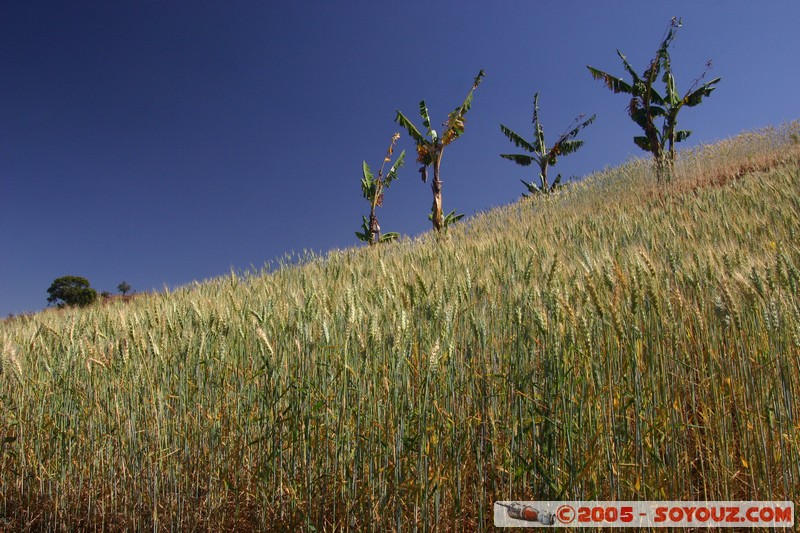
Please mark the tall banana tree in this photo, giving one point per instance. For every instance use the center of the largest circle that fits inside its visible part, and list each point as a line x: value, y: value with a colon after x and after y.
x: 648, y: 105
x: 372, y: 188
x: 431, y: 147
x: 540, y: 153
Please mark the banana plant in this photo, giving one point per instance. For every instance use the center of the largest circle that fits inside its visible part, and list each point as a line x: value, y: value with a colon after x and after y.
x: 541, y: 154
x: 372, y: 188
x: 430, y: 149
x: 647, y: 105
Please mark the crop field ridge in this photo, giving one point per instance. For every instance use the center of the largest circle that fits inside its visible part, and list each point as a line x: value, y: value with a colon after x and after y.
x: 619, y: 339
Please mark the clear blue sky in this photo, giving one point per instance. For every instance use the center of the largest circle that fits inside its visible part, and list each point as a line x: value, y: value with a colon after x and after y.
x: 165, y: 142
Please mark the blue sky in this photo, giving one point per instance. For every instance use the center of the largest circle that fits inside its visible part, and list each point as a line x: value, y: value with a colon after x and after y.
x: 165, y: 142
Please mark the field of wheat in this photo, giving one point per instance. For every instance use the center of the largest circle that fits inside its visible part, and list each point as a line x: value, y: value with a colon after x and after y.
x: 620, y: 339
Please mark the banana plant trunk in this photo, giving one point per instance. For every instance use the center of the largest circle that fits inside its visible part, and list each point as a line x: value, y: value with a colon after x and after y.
x: 436, y: 186
x: 374, y: 228
x: 670, y: 155
x: 543, y: 174
x: 664, y: 165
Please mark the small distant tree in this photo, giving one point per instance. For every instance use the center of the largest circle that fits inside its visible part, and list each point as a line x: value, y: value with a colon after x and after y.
x: 431, y: 148
x: 372, y: 188
x: 541, y: 154
x: 124, y: 287
x: 71, y: 291
x: 648, y: 106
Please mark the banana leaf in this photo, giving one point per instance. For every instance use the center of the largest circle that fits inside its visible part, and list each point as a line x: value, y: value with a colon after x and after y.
x: 518, y: 141
x: 412, y: 130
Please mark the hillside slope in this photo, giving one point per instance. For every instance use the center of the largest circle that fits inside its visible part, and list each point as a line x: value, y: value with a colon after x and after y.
x: 619, y: 340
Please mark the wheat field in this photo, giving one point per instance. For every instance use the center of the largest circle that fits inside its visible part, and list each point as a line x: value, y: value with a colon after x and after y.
x: 620, y: 339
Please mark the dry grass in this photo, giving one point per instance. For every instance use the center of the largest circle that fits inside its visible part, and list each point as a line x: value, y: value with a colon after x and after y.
x: 614, y: 341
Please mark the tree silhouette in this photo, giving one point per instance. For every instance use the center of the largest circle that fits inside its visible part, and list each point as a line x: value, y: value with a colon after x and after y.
x: 124, y: 287
x: 71, y: 291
